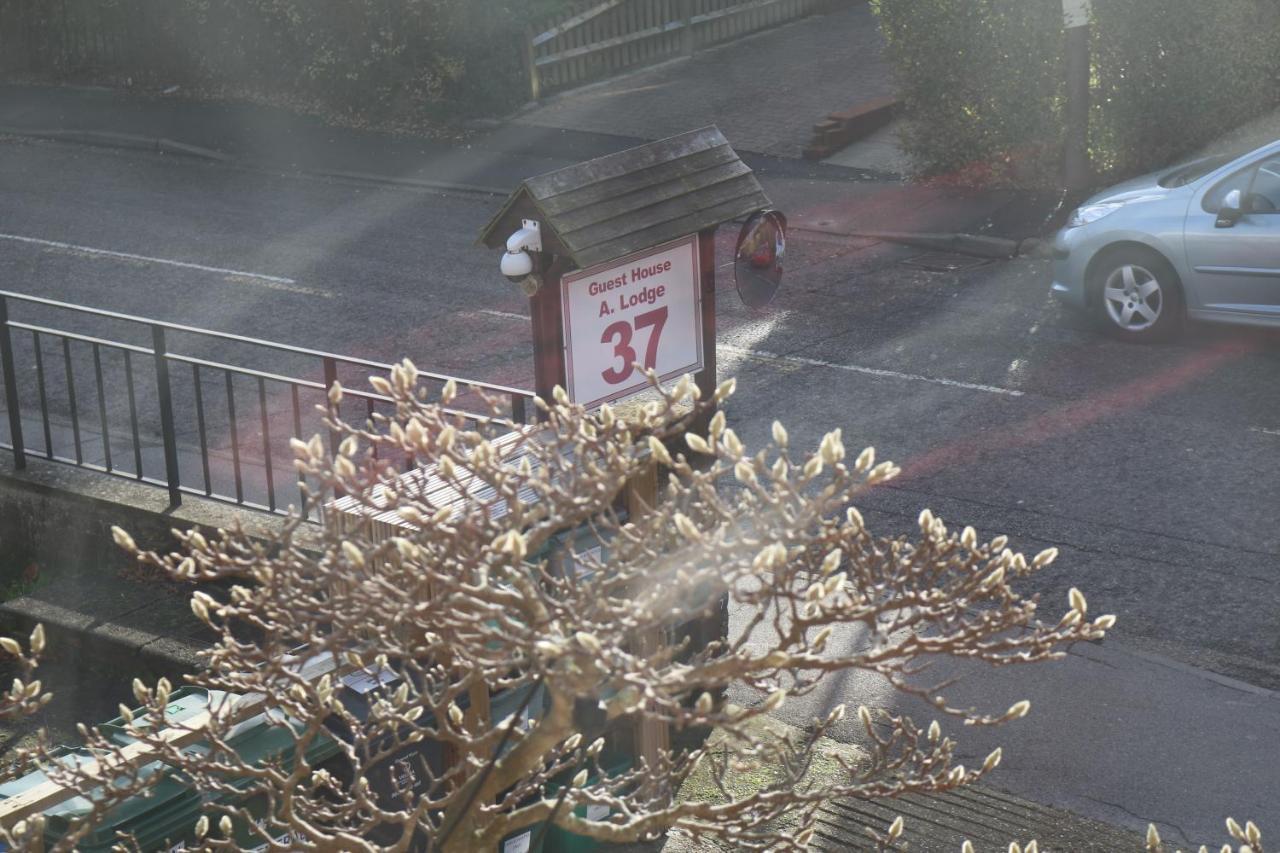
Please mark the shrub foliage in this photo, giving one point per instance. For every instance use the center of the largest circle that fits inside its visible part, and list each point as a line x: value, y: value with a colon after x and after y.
x: 983, y: 80
x: 357, y: 56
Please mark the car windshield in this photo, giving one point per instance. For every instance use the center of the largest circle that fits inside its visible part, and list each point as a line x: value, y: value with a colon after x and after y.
x: 1195, y: 170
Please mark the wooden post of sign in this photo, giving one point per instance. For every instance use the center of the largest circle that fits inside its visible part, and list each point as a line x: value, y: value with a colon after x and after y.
x: 711, y: 627
x: 548, y: 332
x: 707, y: 288
x: 653, y: 738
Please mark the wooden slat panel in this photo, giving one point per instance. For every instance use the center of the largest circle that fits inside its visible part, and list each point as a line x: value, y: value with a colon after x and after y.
x: 614, y: 165
x: 610, y: 30
x: 574, y: 21
x: 592, y: 34
x: 580, y: 54
x: 622, y: 24
x: 675, y: 42
x: 564, y: 73
x: 677, y: 38
x: 627, y: 219
x: 647, y: 17
x: 609, y: 58
x: 664, y: 231
x: 655, y: 192
x: 633, y: 25
x: 640, y: 26
x: 662, y: 47
x: 595, y: 193
x: 622, y: 53
x: 717, y: 17
x: 546, y: 78
x: 645, y: 7
x: 577, y: 69
x: 614, y: 35
x: 659, y: 45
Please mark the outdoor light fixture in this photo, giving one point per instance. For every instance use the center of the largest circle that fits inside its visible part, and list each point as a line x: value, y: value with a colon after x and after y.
x: 517, y: 262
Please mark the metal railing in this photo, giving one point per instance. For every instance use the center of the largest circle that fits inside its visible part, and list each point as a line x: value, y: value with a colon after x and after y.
x: 172, y: 418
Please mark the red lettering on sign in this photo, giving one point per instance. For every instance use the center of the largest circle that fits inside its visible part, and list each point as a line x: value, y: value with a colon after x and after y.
x: 620, y: 334
x: 596, y: 288
x: 622, y: 349
x: 641, y: 273
x: 654, y: 319
x: 649, y: 295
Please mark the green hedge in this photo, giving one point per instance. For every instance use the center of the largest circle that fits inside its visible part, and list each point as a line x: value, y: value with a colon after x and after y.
x: 982, y: 80
x: 360, y: 56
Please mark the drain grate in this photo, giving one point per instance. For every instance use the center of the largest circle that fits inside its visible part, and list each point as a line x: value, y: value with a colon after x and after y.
x: 945, y: 262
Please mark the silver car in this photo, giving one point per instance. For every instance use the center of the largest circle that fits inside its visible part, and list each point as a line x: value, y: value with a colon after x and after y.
x: 1201, y: 240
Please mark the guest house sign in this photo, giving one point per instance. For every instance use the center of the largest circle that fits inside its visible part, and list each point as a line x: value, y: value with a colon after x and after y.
x: 626, y: 316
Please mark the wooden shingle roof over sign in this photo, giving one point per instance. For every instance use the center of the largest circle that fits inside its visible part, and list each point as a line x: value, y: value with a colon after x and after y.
x: 635, y: 199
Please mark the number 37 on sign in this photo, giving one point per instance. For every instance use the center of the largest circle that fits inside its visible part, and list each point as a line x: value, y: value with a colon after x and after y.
x: 638, y: 312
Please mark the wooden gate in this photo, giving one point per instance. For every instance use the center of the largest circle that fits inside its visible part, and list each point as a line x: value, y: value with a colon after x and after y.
x: 605, y: 37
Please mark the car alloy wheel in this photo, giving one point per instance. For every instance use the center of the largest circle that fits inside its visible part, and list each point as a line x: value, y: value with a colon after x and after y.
x: 1133, y: 297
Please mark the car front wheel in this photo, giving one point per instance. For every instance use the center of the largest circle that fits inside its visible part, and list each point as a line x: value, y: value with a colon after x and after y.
x: 1138, y: 297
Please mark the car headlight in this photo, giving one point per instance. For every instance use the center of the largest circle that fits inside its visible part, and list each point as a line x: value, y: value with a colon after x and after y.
x: 1092, y: 213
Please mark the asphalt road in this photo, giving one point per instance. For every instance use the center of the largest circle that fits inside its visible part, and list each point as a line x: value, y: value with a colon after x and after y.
x: 1155, y: 469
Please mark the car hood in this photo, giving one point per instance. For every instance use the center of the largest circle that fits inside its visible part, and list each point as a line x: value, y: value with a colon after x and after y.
x: 1146, y: 187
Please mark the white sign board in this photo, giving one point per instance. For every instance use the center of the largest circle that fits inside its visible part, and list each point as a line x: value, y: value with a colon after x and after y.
x: 644, y: 309
x: 518, y: 844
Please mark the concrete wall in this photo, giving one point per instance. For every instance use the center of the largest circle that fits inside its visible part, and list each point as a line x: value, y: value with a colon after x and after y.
x: 105, y: 615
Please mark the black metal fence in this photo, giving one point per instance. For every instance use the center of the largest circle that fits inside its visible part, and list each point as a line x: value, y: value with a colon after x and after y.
x: 192, y: 410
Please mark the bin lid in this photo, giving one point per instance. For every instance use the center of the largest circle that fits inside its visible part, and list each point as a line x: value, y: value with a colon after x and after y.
x: 184, y: 703
x: 136, y: 815
x: 462, y: 492
x: 257, y: 740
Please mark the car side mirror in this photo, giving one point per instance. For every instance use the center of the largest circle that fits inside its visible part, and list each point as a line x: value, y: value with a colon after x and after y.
x: 1230, y: 211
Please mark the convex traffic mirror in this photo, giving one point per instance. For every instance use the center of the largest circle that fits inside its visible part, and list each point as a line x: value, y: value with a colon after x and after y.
x: 758, y: 259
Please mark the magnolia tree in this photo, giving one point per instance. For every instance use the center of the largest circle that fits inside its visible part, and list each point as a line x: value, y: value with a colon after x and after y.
x: 25, y: 695
x: 464, y: 657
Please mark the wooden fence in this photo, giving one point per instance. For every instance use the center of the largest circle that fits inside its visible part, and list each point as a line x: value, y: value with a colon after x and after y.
x: 605, y: 37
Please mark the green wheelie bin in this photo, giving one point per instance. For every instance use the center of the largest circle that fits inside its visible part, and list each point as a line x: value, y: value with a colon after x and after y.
x: 563, y: 841
x: 165, y: 819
